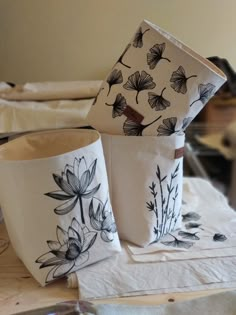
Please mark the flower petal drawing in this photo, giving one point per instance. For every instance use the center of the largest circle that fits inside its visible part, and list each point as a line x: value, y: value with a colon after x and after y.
x: 219, y: 237
x: 155, y: 55
x: 190, y: 236
x: 186, y: 122
x: 132, y: 128
x: 168, y: 127
x: 118, y: 106
x: 69, y: 252
x: 190, y: 216
x: 101, y: 219
x: 115, y: 77
x: 158, y: 101
x: 74, y: 182
x: 138, y: 38
x: 178, y: 243
x: 179, y: 80
x: 139, y: 82
x: 206, y: 91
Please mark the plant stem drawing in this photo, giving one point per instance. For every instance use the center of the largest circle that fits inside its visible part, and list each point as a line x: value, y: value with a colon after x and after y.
x: 69, y: 252
x: 74, y: 182
x: 115, y: 77
x: 205, y: 92
x: 179, y: 80
x: 133, y: 128
x: 155, y: 55
x: 158, y: 101
x: 120, y: 60
x: 138, y: 39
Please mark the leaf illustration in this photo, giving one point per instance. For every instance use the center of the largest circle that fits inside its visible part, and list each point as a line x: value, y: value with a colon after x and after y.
x: 191, y: 216
x: 186, y: 122
x: 190, y: 236
x: 178, y: 243
x: 179, y: 80
x: 155, y: 55
x: 206, y: 91
x: 132, y: 128
x: 219, y: 237
x: 168, y: 127
x: 158, y: 101
x: 115, y: 77
x: 118, y: 106
x: 120, y: 60
x: 193, y: 225
x: 138, y: 39
x: 139, y: 82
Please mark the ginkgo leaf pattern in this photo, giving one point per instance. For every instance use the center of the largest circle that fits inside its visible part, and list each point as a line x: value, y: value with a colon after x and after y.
x: 193, y: 225
x: 139, y: 82
x: 138, y: 39
x: 190, y: 236
x: 118, y: 106
x: 168, y: 127
x: 179, y: 80
x: 120, y: 60
x: 190, y: 216
x: 132, y: 128
x: 158, y: 101
x: 114, y: 78
x: 186, y: 122
x: 205, y: 92
x: 178, y: 243
x: 219, y: 237
x: 155, y: 55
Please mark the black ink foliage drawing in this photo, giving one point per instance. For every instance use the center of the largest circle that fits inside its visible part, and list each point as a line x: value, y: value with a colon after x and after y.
x: 158, y: 101
x: 179, y: 80
x: 178, y: 243
x: 206, y: 91
x: 120, y: 60
x: 155, y: 55
x: 139, y: 82
x: 190, y: 216
x: 164, y: 208
x: 219, y: 237
x: 74, y: 183
x: 190, y: 236
x: 138, y: 38
x: 118, y: 106
x: 193, y: 225
x: 132, y: 128
x: 115, y: 77
x: 168, y: 127
x: 101, y: 219
x: 69, y: 252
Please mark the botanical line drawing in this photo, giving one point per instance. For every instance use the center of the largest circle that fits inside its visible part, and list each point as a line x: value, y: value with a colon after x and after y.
x: 120, y: 60
x: 190, y: 236
x: 168, y: 127
x: 219, y: 237
x: 139, y: 82
x: 115, y: 77
x: 69, y: 252
x: 164, y: 208
x: 190, y: 216
x: 205, y: 92
x: 138, y: 39
x: 179, y: 80
x: 74, y: 182
x: 101, y: 219
x: 118, y: 106
x: 178, y: 243
x: 132, y: 128
x: 155, y: 55
x: 158, y: 101
x: 193, y: 225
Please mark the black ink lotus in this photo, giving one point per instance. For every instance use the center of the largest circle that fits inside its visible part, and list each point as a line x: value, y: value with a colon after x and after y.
x: 168, y: 127
x: 206, y: 91
x: 179, y: 80
x: 118, y: 106
x: 178, y: 243
x: 132, y: 128
x: 139, y: 82
x: 74, y: 183
x: 155, y: 55
x: 191, y: 216
x: 69, y: 252
x: 158, y: 101
x: 115, y: 77
x: 190, y: 236
x: 101, y: 219
x: 138, y: 39
x: 219, y: 237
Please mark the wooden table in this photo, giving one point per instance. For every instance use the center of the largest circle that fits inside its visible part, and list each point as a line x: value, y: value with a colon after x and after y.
x: 20, y: 292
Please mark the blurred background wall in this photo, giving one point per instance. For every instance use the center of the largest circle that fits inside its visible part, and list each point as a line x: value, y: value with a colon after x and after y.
x: 42, y: 40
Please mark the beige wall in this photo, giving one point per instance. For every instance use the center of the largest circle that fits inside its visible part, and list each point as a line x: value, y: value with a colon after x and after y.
x: 81, y: 39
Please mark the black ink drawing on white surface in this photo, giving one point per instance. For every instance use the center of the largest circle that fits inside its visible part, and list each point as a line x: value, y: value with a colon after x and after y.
x: 168, y: 127
x: 138, y: 38
x: 178, y: 243
x: 193, y: 225
x: 118, y: 106
x: 155, y: 55
x: 219, y: 237
x: 132, y: 128
x: 206, y: 91
x: 115, y: 77
x: 120, y: 60
x: 158, y: 102
x: 190, y: 216
x: 179, y: 80
x: 188, y: 235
